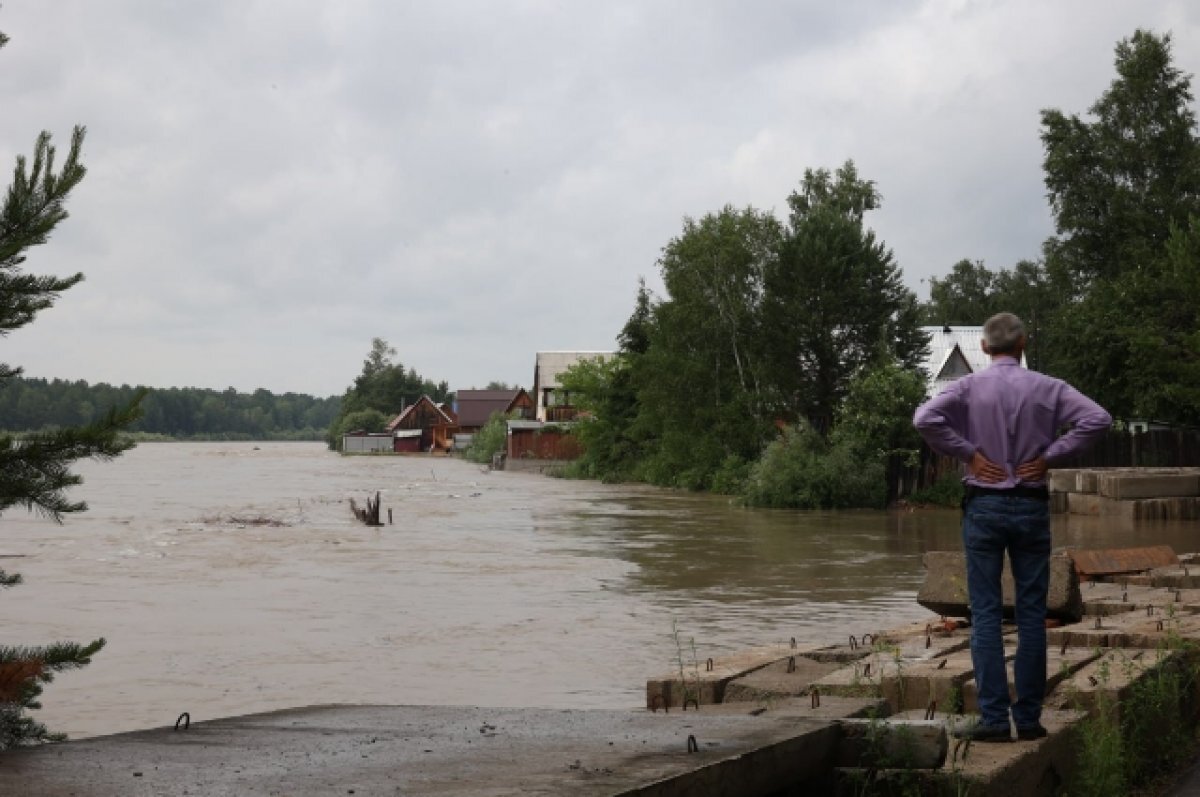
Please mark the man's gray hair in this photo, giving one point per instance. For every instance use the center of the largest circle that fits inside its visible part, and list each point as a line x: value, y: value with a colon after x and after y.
x: 1002, y: 333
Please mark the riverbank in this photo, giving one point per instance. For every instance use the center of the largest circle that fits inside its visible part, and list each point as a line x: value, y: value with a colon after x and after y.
x: 873, y: 714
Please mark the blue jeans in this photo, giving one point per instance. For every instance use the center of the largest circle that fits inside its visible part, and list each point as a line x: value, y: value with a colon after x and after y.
x: 993, y: 524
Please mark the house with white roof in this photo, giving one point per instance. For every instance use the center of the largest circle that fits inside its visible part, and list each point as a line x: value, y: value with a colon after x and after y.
x: 954, y: 352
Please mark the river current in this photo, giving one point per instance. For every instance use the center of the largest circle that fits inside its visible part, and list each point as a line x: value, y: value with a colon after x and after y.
x: 231, y: 578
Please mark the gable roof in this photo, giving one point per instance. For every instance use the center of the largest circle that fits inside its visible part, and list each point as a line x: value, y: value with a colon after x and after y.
x: 475, y: 407
x: 412, y: 408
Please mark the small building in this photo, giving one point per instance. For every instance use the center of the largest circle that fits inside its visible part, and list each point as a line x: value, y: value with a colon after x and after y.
x: 954, y: 352
x: 360, y: 442
x: 553, y: 402
x: 476, y: 407
x: 435, y: 427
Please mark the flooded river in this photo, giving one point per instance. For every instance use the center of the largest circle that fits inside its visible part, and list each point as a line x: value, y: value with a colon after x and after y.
x: 231, y: 578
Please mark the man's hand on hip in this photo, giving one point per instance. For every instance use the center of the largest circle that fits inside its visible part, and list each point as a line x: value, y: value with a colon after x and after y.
x: 983, y: 469
x: 1032, y: 471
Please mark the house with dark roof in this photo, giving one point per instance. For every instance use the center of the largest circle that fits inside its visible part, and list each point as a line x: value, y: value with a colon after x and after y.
x: 434, y: 426
x: 475, y: 407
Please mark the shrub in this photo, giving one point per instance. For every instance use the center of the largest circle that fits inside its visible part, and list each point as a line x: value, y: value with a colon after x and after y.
x: 489, y: 440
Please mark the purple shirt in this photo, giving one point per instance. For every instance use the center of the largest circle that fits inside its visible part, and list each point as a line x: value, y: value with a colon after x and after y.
x: 1010, y: 414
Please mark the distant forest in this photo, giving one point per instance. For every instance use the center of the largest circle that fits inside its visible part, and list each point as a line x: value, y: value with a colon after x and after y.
x: 177, y: 412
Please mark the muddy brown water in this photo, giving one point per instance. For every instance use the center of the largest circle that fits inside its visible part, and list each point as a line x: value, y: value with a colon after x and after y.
x: 231, y: 578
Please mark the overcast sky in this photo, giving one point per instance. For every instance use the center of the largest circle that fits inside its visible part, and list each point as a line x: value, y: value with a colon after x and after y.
x: 271, y: 184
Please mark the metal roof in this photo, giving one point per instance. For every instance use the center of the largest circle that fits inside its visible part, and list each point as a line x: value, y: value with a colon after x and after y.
x: 475, y: 407
x: 942, y: 342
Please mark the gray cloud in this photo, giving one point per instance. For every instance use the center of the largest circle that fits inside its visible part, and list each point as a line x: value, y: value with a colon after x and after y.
x: 273, y: 183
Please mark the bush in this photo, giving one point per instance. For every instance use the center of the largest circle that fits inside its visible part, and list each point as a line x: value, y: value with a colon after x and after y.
x: 801, y: 470
x: 946, y: 491
x: 489, y: 441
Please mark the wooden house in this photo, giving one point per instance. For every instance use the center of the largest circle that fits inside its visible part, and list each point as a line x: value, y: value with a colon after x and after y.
x: 435, y: 426
x: 553, y: 401
x: 475, y: 407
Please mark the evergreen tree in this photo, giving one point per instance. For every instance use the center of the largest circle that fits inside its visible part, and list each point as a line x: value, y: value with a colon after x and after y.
x: 384, y: 387
x: 34, y: 471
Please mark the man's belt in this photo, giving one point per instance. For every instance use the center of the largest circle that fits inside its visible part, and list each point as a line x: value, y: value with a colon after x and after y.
x: 1020, y: 491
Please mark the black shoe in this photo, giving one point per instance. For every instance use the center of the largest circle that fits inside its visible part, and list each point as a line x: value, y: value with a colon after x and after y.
x: 1032, y: 732
x: 984, y: 733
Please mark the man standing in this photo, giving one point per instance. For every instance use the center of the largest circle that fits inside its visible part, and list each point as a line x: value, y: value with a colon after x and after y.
x: 1001, y: 423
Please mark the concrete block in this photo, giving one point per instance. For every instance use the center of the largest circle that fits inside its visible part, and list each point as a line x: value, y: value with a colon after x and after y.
x: 1063, y: 480
x: 704, y: 681
x: 1060, y: 665
x: 1187, y: 508
x: 787, y: 678
x: 1093, y: 563
x: 945, y: 588
x: 1060, y: 503
x: 936, y: 681
x: 911, y: 743
x: 1109, y: 679
x: 1126, y: 486
x: 1098, y: 506
x: 1130, y: 630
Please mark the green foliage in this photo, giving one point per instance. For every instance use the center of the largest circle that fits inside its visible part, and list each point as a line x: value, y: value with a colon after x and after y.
x: 491, y: 439
x: 803, y: 470
x: 1134, y: 735
x: 762, y: 322
x: 384, y: 386
x: 1125, y: 192
x: 173, y: 413
x: 946, y: 491
x: 834, y: 299
x: 848, y: 468
x: 35, y: 472
x: 16, y: 726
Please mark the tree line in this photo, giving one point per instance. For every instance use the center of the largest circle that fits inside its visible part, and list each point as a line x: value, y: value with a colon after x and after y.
x: 29, y: 404
x: 781, y: 363
x: 1113, y: 303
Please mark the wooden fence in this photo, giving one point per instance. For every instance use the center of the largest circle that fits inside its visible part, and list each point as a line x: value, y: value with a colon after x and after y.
x: 1156, y: 449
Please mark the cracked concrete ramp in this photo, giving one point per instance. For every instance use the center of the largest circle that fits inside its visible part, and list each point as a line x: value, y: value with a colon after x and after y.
x: 392, y: 750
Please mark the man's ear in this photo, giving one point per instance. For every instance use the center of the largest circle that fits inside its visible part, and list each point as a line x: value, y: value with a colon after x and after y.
x: 983, y: 345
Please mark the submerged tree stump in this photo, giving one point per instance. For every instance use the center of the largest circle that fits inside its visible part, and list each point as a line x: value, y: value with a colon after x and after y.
x: 370, y: 515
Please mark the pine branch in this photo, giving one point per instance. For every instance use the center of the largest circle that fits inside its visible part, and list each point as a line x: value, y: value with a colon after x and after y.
x: 35, y: 470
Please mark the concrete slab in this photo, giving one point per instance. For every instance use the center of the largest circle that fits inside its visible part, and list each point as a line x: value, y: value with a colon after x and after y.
x: 1110, y: 599
x: 1060, y: 665
x: 1179, y: 576
x: 703, y: 682
x: 935, y: 682
x: 1038, y: 768
x: 789, y: 678
x: 1127, y: 486
x: 436, y: 750
x: 1129, y: 630
x: 944, y: 590
x: 823, y: 707
x: 1109, y: 678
